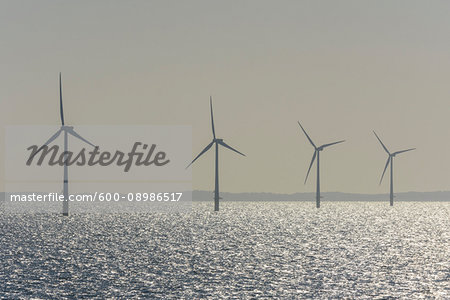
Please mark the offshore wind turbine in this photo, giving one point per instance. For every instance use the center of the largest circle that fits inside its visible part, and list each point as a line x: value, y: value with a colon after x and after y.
x: 316, y: 154
x: 390, y: 161
x: 67, y: 130
x: 217, y: 142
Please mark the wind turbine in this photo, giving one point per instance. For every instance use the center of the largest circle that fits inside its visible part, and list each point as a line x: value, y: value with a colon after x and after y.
x: 390, y: 160
x: 217, y: 142
x: 67, y: 130
x: 316, y: 154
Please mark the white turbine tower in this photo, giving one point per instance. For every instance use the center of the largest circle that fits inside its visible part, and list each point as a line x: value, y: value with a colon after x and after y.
x: 316, y: 154
x: 390, y: 161
x: 67, y: 130
x: 217, y: 142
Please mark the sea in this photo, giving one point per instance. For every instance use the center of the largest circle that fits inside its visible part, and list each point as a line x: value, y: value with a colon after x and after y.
x: 247, y: 250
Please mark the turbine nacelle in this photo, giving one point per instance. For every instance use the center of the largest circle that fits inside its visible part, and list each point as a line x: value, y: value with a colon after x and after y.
x: 390, y: 155
x: 214, y: 140
x: 65, y: 128
x: 317, y: 149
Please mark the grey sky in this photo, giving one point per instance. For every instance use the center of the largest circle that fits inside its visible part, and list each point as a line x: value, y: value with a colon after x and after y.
x: 343, y: 68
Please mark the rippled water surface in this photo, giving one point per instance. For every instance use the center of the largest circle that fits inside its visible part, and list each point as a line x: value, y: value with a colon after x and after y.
x: 247, y: 250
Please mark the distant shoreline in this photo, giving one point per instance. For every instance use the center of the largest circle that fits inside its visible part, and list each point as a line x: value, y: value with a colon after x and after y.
x: 439, y: 196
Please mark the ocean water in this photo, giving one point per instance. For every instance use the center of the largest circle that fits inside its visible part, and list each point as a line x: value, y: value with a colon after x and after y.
x: 248, y: 250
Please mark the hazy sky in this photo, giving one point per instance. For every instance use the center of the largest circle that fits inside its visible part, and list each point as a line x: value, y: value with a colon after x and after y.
x: 343, y: 68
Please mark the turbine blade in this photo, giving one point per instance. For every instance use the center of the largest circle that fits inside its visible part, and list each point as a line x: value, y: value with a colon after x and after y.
x: 229, y: 147
x: 307, y: 135
x: 51, y: 139
x: 384, y: 147
x: 310, y: 165
x: 212, y: 117
x: 330, y: 144
x: 201, y: 153
x: 385, y: 167
x: 72, y: 132
x: 60, y: 100
x: 398, y: 152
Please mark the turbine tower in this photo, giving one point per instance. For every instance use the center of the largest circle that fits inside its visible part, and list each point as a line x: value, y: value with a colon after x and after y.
x: 217, y: 142
x: 67, y: 130
x: 390, y: 161
x: 316, y: 154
